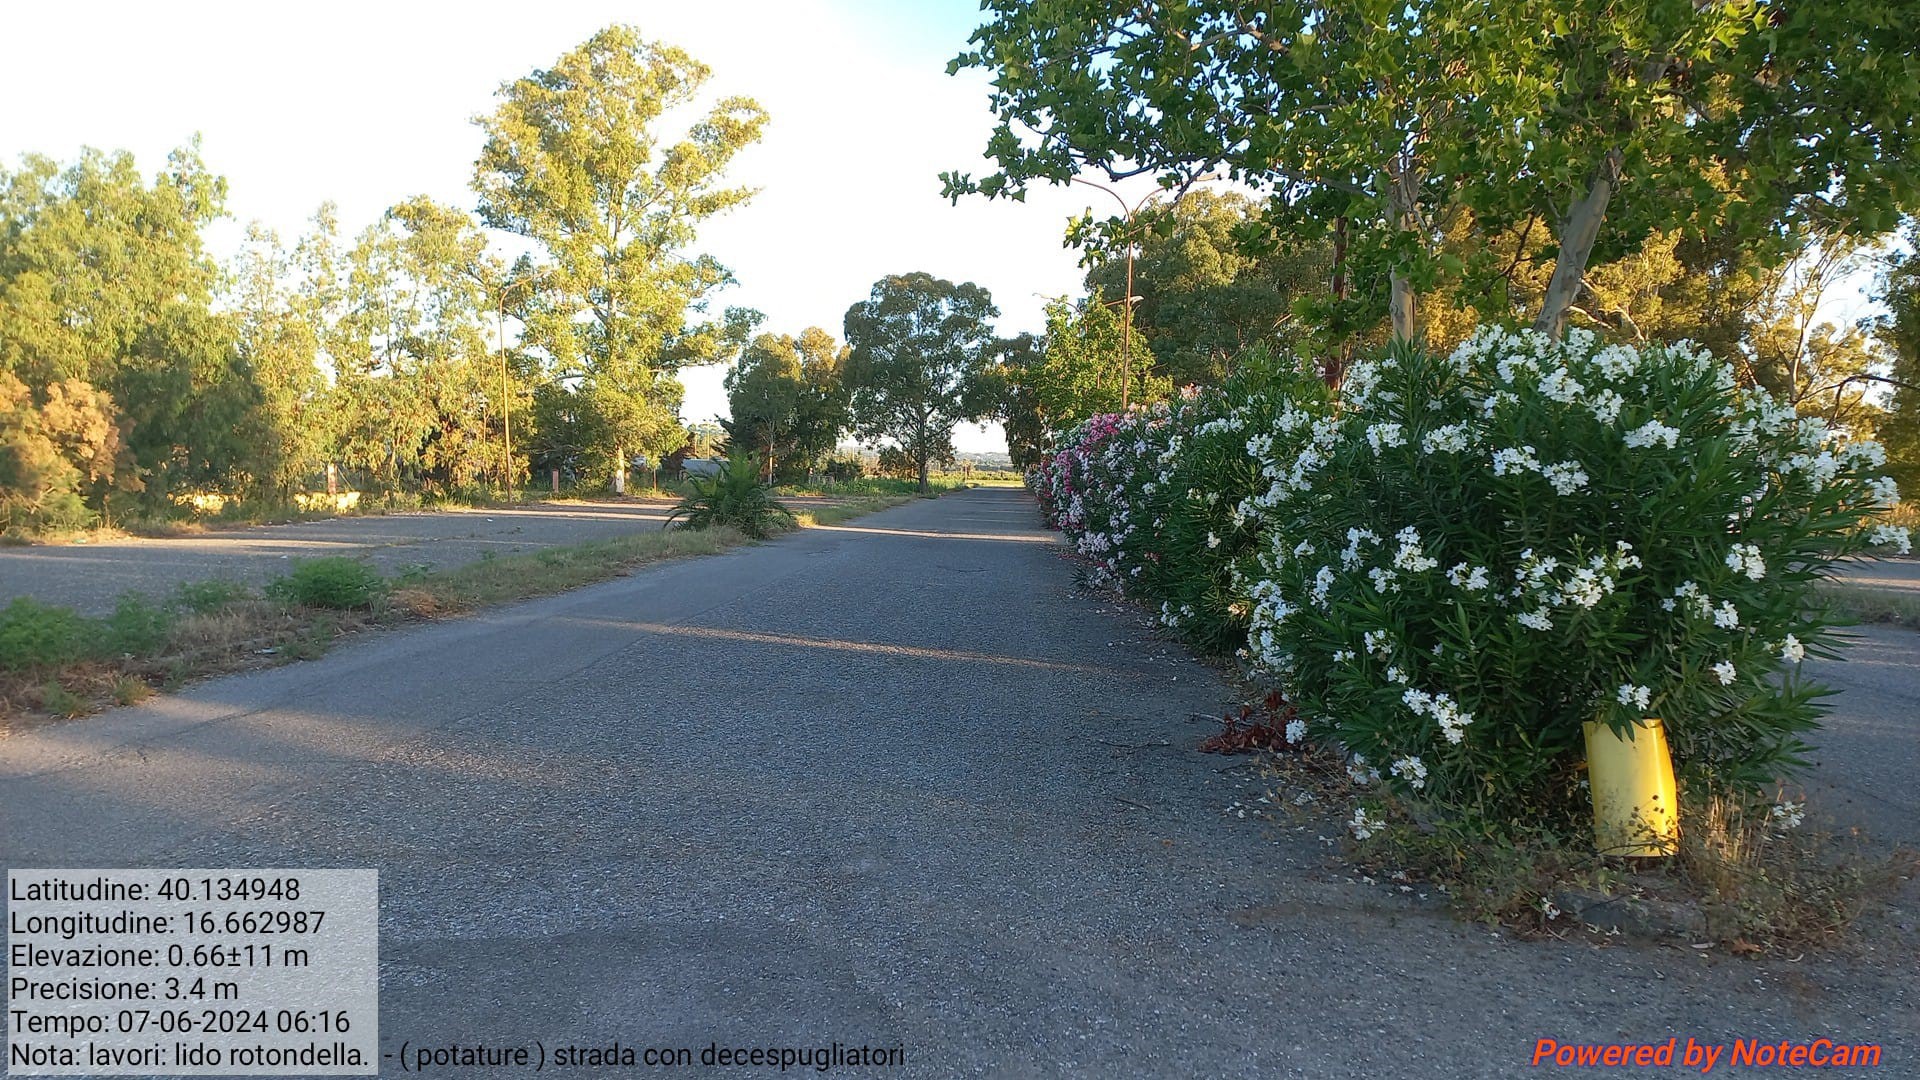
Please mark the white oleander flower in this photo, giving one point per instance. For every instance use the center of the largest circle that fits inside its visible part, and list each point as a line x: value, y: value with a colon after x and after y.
x: 1536, y: 620
x: 1361, y: 825
x: 1451, y: 439
x: 1653, y: 431
x: 1515, y: 461
x: 1561, y: 387
x: 1896, y: 537
x: 1412, y: 770
x: 1787, y: 815
x: 1453, y: 720
x: 1791, y: 651
x: 1566, y: 477
x: 1606, y: 406
x: 1724, y: 669
x: 1745, y: 559
x: 1472, y: 579
x: 1727, y: 617
x: 1884, y: 492
x: 1638, y: 696
x: 1382, y: 436
x: 1410, y: 557
x: 1296, y: 730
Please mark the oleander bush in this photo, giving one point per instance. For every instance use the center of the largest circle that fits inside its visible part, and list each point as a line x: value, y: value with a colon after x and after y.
x: 1469, y: 556
x: 1204, y: 537
x: 1482, y: 551
x: 1152, y: 499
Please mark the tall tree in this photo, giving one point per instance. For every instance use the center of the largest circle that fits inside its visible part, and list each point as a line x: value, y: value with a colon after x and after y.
x: 1598, y: 122
x: 787, y: 400
x: 1211, y: 284
x: 1003, y: 390
x: 1899, y: 332
x: 1080, y: 372
x: 280, y: 348
x: 576, y: 159
x: 106, y: 290
x: 918, y: 344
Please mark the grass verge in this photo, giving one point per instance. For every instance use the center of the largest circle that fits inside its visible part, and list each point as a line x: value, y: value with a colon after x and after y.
x: 55, y: 663
x: 1869, y: 605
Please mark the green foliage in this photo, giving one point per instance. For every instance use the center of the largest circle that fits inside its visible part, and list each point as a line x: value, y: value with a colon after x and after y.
x: 1084, y: 367
x: 1203, y: 536
x: 576, y: 160
x: 735, y: 498
x: 331, y: 581
x: 1156, y: 499
x: 787, y: 400
x: 137, y: 627
x: 105, y: 293
x: 34, y: 635
x: 1600, y: 123
x: 209, y: 595
x: 1484, y: 551
x: 52, y: 444
x: 1899, y: 331
x: 1213, y: 283
x: 919, y: 344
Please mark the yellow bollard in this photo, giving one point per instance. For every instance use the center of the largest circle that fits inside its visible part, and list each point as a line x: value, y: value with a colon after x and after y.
x: 1635, y: 806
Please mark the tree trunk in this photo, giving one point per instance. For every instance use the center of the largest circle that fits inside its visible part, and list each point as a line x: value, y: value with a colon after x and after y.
x: 1577, y: 234
x: 1336, y: 369
x: 1402, y: 192
x: 1403, y: 305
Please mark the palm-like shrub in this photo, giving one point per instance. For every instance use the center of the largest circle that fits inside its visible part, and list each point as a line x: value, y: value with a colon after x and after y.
x: 1481, y: 552
x: 735, y: 498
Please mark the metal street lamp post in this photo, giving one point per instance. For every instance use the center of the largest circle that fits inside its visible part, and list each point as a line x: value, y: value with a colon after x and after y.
x: 1126, y: 311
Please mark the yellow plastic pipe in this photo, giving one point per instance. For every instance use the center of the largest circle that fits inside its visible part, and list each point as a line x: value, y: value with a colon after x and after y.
x: 1635, y: 806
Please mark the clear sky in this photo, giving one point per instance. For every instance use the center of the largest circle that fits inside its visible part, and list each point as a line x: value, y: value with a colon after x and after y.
x: 369, y: 103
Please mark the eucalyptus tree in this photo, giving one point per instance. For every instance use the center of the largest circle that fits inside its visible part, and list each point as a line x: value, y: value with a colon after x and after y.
x: 578, y: 158
x: 918, y: 344
x: 279, y: 346
x: 787, y: 400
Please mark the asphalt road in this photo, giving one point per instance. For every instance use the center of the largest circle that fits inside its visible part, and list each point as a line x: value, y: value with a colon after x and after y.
x: 897, y: 782
x: 91, y: 577
x: 1892, y: 575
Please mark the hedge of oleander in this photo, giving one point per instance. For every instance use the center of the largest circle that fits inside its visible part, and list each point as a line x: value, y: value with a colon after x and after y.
x: 1464, y: 558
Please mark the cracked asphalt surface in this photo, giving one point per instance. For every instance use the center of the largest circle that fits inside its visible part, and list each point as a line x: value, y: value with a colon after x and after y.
x: 896, y: 782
